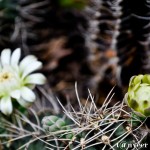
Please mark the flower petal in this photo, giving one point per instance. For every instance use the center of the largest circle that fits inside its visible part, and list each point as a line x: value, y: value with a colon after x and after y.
x: 31, y: 86
x: 33, y: 67
x: 27, y: 61
x: 5, y: 57
x: 15, y: 56
x: 27, y: 94
x: 16, y: 94
x: 23, y: 102
x: 6, y: 105
x: 36, y: 78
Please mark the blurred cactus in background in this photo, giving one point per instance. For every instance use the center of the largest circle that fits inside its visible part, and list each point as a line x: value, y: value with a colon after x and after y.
x: 103, y: 40
x: 80, y: 4
x: 8, y: 14
x: 133, y: 44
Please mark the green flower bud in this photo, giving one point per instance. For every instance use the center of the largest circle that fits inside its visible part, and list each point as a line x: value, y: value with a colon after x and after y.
x: 138, y: 95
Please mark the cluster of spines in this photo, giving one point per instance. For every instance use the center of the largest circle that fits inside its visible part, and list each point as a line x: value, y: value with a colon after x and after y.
x: 92, y: 127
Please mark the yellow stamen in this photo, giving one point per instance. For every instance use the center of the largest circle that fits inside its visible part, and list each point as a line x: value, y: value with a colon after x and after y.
x: 4, y: 76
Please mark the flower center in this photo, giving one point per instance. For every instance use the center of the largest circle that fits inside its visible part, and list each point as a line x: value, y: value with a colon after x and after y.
x: 5, y: 76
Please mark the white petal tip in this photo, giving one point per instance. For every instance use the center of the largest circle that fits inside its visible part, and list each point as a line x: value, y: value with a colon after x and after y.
x: 36, y: 78
x: 6, y: 105
x: 28, y: 95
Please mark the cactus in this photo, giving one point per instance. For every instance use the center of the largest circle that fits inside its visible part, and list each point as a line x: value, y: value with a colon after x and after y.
x: 98, y: 128
x: 89, y: 127
x: 73, y: 36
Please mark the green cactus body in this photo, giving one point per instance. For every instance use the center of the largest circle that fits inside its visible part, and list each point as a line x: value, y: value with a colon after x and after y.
x: 53, y: 123
x: 138, y: 95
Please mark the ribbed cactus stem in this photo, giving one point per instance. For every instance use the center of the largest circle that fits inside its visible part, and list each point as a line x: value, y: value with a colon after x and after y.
x: 117, y: 12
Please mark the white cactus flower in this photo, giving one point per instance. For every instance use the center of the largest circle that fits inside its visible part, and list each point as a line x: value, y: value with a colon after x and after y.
x: 16, y: 80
